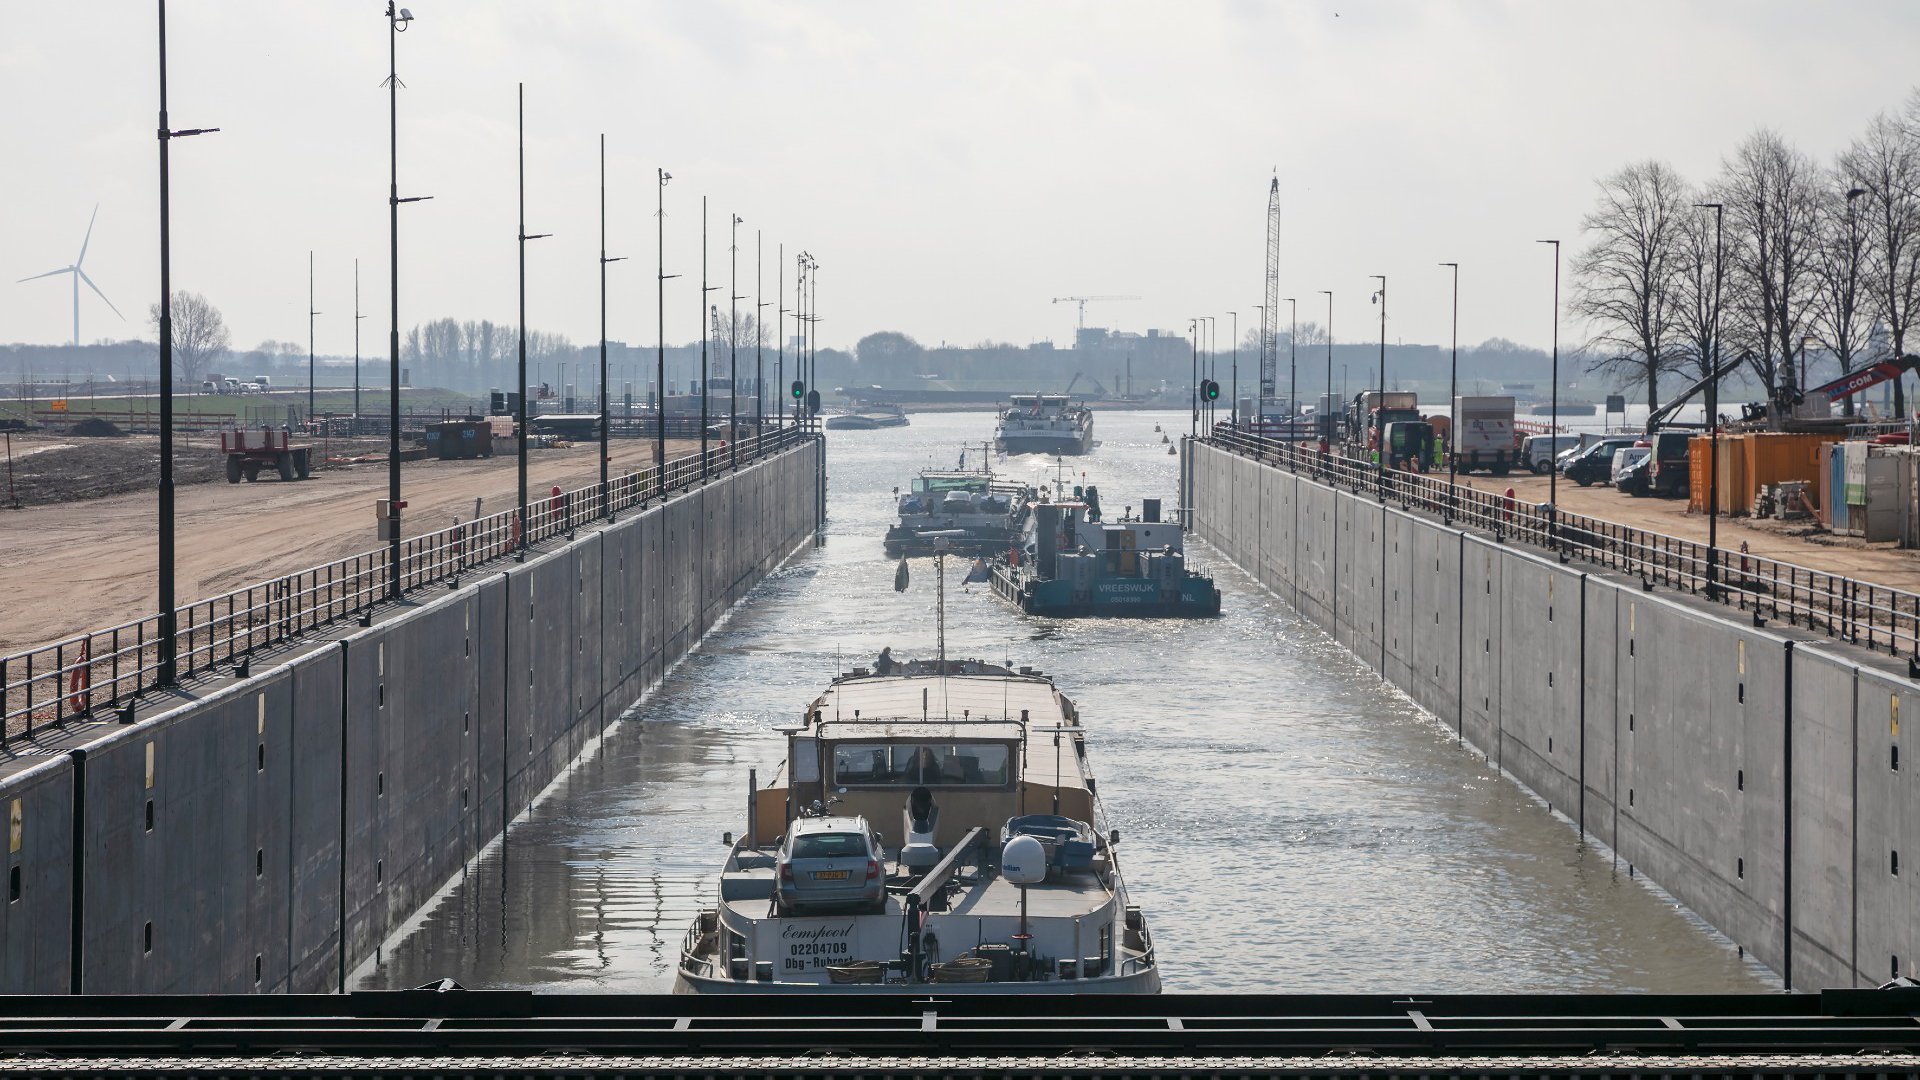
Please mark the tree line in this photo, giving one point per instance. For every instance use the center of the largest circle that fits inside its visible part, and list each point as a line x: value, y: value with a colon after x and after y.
x: 1803, y: 263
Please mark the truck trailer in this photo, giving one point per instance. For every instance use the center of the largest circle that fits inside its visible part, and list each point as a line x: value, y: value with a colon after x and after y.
x: 1482, y: 435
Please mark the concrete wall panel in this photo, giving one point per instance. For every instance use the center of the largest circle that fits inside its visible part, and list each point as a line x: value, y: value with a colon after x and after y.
x: 1481, y: 645
x: 36, y: 922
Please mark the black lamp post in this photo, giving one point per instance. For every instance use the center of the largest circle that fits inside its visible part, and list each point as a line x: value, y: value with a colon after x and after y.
x: 1553, y: 410
x: 168, y: 671
x: 310, y: 314
x: 1193, y: 425
x: 1235, y: 411
x: 733, y: 348
x: 759, y: 336
x: 1326, y: 422
x: 706, y: 332
x: 1713, y: 411
x: 398, y: 19
x: 1293, y: 374
x: 606, y: 501
x: 780, y: 336
x: 660, y: 341
x: 1380, y: 403
x: 1453, y: 393
x: 526, y: 527
x: 356, y: 345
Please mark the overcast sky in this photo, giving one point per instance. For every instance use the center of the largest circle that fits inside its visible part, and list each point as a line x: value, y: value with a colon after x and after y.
x: 952, y: 166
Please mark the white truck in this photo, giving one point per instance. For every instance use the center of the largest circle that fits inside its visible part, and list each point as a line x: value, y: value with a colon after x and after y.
x: 1482, y: 435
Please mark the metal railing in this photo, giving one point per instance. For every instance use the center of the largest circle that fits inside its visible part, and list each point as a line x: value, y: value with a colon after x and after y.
x: 1876, y: 617
x: 75, y: 677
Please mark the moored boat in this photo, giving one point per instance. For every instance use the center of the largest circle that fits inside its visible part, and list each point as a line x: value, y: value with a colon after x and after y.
x: 934, y: 829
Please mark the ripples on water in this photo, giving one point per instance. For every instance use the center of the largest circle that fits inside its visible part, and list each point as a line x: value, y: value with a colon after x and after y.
x: 1290, y: 822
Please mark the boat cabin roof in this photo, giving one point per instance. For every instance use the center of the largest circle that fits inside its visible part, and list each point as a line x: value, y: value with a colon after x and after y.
x: 864, y: 730
x: 1039, y: 399
x: 909, y: 698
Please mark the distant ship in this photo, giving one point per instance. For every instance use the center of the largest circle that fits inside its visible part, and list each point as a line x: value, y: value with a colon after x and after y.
x: 867, y: 417
x: 1045, y: 424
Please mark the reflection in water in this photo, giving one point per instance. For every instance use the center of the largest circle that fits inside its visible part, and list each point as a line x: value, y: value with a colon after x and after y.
x: 1291, y: 823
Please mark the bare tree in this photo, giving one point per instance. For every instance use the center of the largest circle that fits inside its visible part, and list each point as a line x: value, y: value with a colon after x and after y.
x: 1700, y: 290
x: 1624, y: 281
x: 1772, y: 210
x: 199, y: 334
x: 1840, y: 312
x: 1308, y: 334
x: 1885, y: 163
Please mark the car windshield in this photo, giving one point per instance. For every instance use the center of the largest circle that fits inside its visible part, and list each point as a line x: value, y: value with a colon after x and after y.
x: 838, y: 845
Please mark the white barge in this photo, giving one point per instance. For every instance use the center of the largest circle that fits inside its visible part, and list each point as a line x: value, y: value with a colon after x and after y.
x: 934, y: 829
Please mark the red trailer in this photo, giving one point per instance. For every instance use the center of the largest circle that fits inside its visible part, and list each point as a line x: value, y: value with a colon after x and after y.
x: 249, y: 452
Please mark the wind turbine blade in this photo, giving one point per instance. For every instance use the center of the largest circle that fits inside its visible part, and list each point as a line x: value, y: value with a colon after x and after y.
x: 88, y: 239
x: 50, y: 273
x: 97, y: 292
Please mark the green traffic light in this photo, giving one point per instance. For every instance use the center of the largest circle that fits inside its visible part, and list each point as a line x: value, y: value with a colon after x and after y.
x: 799, y: 389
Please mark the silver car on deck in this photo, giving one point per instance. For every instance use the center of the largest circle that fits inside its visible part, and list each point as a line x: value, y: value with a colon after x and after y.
x: 831, y: 862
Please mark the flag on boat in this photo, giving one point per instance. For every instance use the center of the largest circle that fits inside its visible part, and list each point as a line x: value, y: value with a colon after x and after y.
x: 977, y: 573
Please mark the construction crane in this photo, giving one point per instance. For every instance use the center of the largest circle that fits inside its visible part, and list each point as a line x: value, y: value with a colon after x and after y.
x: 1269, y: 352
x: 1081, y: 324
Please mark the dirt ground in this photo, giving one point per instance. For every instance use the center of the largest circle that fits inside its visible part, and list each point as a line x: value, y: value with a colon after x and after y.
x: 43, y: 469
x: 70, y: 566
x: 1798, y: 542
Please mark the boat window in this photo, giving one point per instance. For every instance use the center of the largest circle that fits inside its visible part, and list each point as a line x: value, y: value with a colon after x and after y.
x: 930, y: 764
x: 830, y: 846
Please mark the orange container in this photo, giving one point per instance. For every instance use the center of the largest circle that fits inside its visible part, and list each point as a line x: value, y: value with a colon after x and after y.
x: 1698, y: 449
x: 1773, y: 457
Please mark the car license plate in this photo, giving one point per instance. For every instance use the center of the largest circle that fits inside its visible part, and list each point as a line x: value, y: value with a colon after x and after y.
x: 829, y: 875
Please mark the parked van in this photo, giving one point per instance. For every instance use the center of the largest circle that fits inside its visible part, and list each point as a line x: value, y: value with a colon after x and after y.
x: 1538, y: 451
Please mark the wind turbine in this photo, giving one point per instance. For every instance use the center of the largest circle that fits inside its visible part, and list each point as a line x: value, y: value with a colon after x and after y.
x: 79, y: 276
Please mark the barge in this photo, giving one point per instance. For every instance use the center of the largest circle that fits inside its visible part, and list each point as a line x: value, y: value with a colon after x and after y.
x: 935, y: 829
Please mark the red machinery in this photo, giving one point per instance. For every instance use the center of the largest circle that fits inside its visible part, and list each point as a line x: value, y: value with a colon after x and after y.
x: 248, y: 452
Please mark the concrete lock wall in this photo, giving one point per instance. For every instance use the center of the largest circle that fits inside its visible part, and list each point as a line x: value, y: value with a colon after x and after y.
x: 1752, y: 772
x: 271, y: 834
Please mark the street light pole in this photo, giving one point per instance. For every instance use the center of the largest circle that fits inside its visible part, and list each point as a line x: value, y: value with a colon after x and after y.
x: 780, y: 335
x: 660, y: 340
x: 310, y: 314
x: 1553, y: 410
x: 1713, y: 412
x: 169, y: 645
x: 706, y: 333
x: 1380, y: 404
x: 1235, y: 412
x: 606, y: 501
x: 759, y: 337
x: 356, y: 345
x: 398, y: 19
x: 733, y: 348
x: 526, y: 527
x: 1193, y: 425
x: 1453, y: 392
x: 1325, y: 423
x: 1293, y: 374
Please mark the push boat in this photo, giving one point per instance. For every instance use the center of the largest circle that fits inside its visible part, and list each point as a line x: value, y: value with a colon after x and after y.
x: 867, y: 417
x: 1072, y: 563
x: 1044, y: 424
x: 976, y: 513
x: 901, y: 852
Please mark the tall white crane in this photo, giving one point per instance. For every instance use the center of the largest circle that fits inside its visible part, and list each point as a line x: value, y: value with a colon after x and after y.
x: 1081, y: 323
